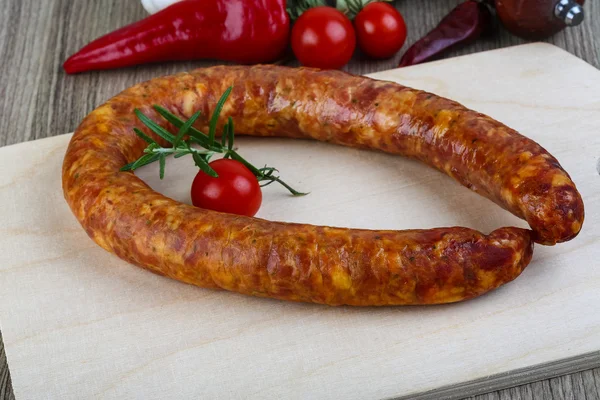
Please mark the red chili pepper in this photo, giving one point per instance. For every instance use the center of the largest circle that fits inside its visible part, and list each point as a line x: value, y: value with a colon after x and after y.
x: 464, y: 23
x: 243, y: 31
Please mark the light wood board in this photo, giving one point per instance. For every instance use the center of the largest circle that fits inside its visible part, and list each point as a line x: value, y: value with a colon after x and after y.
x: 79, y: 323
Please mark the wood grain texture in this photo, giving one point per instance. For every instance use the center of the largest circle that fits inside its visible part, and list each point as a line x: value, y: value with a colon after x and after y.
x: 38, y: 100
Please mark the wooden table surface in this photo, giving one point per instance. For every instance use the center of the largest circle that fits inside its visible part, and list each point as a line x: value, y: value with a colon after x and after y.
x: 38, y: 100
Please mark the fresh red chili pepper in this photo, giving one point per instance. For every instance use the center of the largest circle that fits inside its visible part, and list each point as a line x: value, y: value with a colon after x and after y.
x: 243, y: 31
x: 465, y: 23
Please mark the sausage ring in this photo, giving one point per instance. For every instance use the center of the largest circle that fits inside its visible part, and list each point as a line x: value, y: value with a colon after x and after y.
x: 313, y: 263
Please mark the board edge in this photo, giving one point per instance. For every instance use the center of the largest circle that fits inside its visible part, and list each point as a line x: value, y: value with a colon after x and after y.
x: 509, y: 379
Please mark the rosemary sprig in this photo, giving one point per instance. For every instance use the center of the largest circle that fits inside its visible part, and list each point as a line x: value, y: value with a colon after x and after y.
x: 187, y: 135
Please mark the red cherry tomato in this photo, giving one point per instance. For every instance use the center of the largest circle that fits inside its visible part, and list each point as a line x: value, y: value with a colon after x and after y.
x: 235, y: 191
x: 380, y: 29
x: 323, y: 37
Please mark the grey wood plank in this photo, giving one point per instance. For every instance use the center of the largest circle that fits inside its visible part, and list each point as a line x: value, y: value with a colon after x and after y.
x: 561, y: 388
x: 591, y: 384
x: 6, y: 392
x: 578, y: 386
x: 520, y: 393
x: 38, y: 100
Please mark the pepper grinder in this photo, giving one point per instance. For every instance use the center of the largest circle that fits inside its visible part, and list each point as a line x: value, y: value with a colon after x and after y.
x: 538, y: 19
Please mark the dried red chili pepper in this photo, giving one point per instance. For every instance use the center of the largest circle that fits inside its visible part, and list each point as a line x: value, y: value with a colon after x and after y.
x: 243, y: 31
x: 465, y: 23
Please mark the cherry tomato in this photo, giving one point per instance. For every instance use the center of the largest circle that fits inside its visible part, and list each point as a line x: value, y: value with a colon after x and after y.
x: 323, y: 37
x: 380, y: 29
x: 235, y: 191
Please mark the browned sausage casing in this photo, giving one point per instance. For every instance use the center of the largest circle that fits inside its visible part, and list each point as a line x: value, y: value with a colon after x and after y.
x: 313, y: 263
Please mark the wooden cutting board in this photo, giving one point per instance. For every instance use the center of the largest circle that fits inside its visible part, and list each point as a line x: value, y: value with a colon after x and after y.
x: 80, y: 323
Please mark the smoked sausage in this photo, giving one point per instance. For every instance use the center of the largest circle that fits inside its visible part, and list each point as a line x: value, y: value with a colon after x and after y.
x: 309, y: 263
